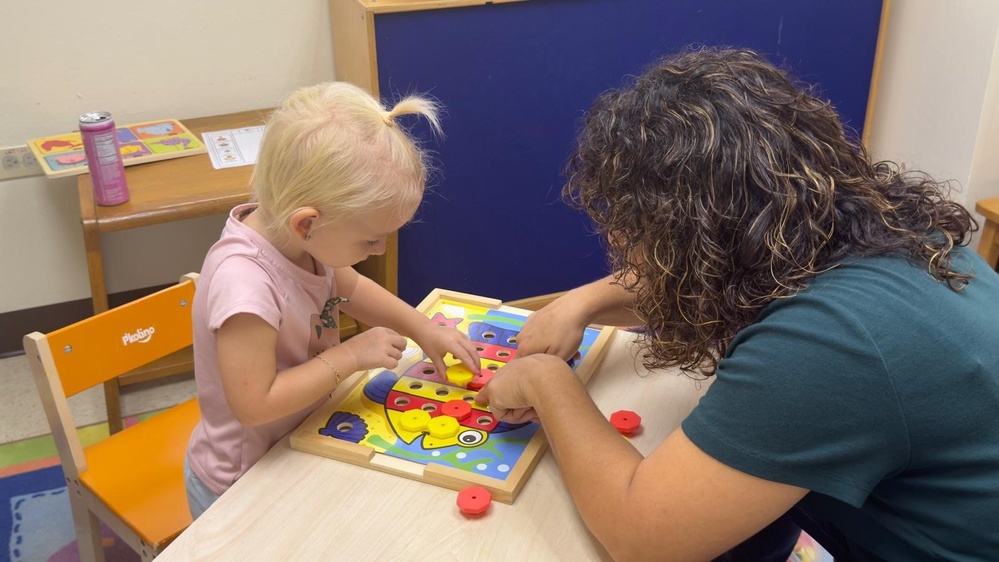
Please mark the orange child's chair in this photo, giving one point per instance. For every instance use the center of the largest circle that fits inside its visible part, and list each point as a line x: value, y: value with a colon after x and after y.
x: 133, y: 481
x: 988, y: 245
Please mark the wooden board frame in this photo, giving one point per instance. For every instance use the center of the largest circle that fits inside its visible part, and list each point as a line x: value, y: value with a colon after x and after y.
x: 308, y: 439
x: 140, y: 143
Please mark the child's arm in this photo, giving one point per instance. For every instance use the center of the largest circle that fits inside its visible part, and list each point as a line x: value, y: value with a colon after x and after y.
x: 371, y: 304
x: 246, y: 351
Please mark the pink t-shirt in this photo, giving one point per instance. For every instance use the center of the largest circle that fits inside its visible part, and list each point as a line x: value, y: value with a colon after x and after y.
x: 244, y: 273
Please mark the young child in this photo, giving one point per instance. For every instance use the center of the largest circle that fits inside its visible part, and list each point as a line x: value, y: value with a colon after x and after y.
x: 335, y: 176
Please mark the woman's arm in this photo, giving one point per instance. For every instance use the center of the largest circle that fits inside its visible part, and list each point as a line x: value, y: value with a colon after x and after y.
x: 557, y: 329
x: 676, y: 504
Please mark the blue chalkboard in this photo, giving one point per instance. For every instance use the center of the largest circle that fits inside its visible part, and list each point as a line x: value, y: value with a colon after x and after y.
x: 517, y: 77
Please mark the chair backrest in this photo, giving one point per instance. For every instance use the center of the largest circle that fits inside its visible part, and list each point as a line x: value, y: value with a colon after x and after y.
x: 92, y: 351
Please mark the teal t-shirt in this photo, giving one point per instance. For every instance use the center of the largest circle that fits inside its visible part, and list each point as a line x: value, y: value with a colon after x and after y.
x: 877, y: 388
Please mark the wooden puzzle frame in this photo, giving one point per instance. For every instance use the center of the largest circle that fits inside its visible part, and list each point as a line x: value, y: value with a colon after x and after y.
x: 150, y: 141
x: 347, y: 399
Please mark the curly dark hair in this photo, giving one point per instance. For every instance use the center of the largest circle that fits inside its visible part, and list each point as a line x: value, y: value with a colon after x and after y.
x: 722, y: 183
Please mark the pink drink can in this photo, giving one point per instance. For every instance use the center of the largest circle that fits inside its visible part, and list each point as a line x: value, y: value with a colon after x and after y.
x: 107, y: 171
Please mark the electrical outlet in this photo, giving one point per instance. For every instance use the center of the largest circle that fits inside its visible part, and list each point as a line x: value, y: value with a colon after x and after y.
x: 18, y: 162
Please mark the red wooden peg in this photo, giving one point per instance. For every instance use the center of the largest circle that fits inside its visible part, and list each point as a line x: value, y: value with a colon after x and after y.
x: 457, y: 409
x: 480, y: 380
x: 626, y: 421
x: 474, y: 500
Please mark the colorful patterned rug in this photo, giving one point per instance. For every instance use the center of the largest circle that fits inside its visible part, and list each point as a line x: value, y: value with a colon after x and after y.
x: 36, y: 524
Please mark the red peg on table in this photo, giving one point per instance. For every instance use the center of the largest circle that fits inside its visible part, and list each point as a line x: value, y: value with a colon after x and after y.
x: 626, y: 421
x: 474, y: 500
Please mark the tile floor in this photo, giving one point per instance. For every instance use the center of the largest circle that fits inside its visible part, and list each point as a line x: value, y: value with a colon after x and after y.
x: 22, y: 417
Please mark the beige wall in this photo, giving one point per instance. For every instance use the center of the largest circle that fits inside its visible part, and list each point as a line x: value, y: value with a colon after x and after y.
x: 936, y: 103
x: 187, y: 58
x: 141, y: 61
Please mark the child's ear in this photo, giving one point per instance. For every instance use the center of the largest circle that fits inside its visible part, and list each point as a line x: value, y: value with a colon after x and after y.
x: 302, y: 221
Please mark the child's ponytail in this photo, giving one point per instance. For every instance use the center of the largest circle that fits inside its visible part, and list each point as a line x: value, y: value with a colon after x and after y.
x: 415, y: 105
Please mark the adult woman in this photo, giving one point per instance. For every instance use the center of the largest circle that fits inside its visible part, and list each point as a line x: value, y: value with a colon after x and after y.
x: 852, y: 337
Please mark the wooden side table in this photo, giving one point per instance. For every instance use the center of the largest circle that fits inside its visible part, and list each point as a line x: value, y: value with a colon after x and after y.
x: 173, y: 190
x: 988, y: 245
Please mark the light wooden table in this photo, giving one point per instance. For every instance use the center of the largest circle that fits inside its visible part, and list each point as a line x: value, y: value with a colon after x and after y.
x: 297, y: 506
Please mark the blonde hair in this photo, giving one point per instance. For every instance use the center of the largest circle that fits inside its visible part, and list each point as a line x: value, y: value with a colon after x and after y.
x: 336, y: 148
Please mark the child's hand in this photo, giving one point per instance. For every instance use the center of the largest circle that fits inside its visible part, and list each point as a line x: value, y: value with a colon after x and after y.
x: 436, y: 341
x: 375, y: 348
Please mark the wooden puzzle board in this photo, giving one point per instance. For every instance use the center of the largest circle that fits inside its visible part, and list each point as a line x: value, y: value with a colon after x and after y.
x: 364, y: 423
x: 63, y: 155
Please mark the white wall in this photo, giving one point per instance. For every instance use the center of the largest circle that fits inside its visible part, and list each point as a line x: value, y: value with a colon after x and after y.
x: 984, y: 180
x: 141, y: 61
x: 188, y: 58
x: 936, y: 103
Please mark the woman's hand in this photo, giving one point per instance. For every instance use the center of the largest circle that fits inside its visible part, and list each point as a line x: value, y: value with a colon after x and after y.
x: 375, y: 348
x: 557, y: 329
x: 512, y: 392
x: 437, y: 341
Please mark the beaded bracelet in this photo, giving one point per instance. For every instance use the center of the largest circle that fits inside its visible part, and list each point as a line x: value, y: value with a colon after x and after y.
x: 336, y: 372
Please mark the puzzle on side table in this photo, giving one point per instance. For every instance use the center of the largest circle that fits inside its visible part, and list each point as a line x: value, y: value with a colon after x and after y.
x: 63, y: 155
x: 414, y: 423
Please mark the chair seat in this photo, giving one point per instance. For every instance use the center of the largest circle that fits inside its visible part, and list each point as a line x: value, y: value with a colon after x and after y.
x: 139, y: 473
